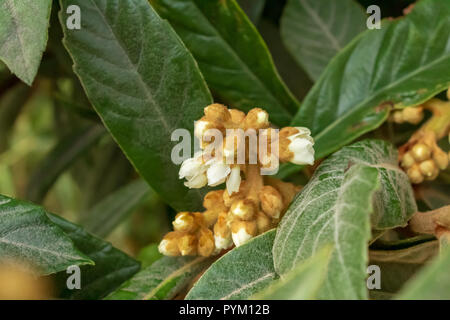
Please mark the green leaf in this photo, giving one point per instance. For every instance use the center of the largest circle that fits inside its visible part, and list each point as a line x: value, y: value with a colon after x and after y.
x: 108, y: 213
x: 302, y: 283
x: 63, y: 155
x: 149, y: 255
x: 432, y: 283
x: 112, y: 266
x: 231, y: 54
x: 405, y: 62
x: 238, y: 274
x: 143, y: 83
x: 253, y: 9
x: 28, y: 237
x: 314, y: 31
x: 398, y: 266
x: 162, y: 280
x: 23, y: 35
x: 336, y: 206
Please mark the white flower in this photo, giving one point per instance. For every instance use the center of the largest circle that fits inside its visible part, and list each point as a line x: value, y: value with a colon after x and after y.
x: 194, y: 170
x: 217, y: 172
x: 301, y: 146
x: 234, y: 180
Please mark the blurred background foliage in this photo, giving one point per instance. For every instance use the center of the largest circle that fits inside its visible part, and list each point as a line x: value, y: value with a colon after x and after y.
x: 55, y: 151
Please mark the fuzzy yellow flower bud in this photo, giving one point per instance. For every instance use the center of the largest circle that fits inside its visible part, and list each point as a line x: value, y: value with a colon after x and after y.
x: 242, y: 231
x: 169, y: 244
x: 184, y: 222
x: 407, y: 160
x: 397, y: 117
x: 421, y: 152
x: 214, y: 199
x: 222, y: 233
x: 427, y: 168
x: 271, y: 201
x: 237, y: 116
x: 263, y: 222
x: 415, y: 174
x: 256, y: 119
x: 217, y: 113
x: 413, y: 114
x: 243, y: 209
x: 205, y: 246
x: 441, y: 158
x: 187, y: 244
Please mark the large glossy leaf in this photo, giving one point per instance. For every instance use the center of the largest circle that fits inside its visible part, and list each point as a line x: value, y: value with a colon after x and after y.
x: 302, y: 283
x: 432, y: 283
x: 398, y: 266
x: 162, y: 280
x: 238, y: 274
x: 23, y: 35
x: 112, y: 266
x: 143, y: 83
x: 62, y: 156
x: 359, y: 183
x: 253, y: 8
x: 405, y: 62
x: 314, y: 31
x: 28, y: 237
x: 231, y: 54
x: 108, y: 213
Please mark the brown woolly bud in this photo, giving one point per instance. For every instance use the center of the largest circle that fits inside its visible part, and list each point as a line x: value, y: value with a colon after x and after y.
x: 202, y: 126
x: 420, y: 152
x: 256, y: 119
x: 263, y: 222
x: 287, y: 190
x: 271, y: 201
x: 205, y: 245
x: 217, y: 113
x: 407, y: 160
x: 187, y: 244
x: 237, y: 116
x: 214, y: 200
x: 413, y: 114
x: 184, y: 222
x: 242, y: 231
x: 441, y: 158
x: 222, y: 233
x: 427, y: 168
x: 415, y: 174
x: 243, y: 209
x: 169, y: 244
x: 210, y: 217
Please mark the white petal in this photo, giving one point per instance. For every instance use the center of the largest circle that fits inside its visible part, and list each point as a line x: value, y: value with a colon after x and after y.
x: 200, y: 128
x: 190, y: 167
x: 234, y: 180
x: 241, y: 237
x: 217, y: 173
x: 222, y: 243
x: 262, y: 117
x: 303, y: 151
x: 197, y: 181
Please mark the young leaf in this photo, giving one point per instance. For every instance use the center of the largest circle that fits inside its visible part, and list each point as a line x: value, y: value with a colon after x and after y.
x: 302, y: 283
x: 112, y: 266
x: 398, y: 266
x: 314, y: 31
x: 23, y: 35
x: 65, y: 153
x: 335, y: 207
x: 404, y: 62
x: 162, y: 280
x: 231, y: 54
x: 432, y: 283
x: 107, y: 214
x: 143, y: 83
x: 28, y: 237
x: 238, y: 274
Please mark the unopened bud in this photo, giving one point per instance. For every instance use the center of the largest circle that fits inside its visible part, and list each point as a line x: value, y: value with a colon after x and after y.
x: 256, y: 119
x: 420, y: 152
x: 271, y: 201
x: 397, y: 117
x: 407, y: 160
x: 187, y: 244
x: 217, y: 112
x: 237, y: 116
x: 213, y: 199
x: 441, y: 158
x: 415, y: 174
x: 169, y: 244
x: 427, y: 168
x: 243, y: 209
x: 222, y: 233
x: 242, y: 231
x: 205, y: 246
x: 413, y: 114
x: 184, y: 222
x: 263, y: 222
